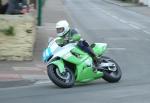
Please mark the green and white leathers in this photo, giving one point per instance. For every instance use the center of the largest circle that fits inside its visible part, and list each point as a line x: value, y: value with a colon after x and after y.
x: 71, y: 36
x: 65, y: 33
x: 67, y: 65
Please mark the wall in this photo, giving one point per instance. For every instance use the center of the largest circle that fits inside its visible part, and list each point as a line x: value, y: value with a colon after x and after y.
x: 20, y: 46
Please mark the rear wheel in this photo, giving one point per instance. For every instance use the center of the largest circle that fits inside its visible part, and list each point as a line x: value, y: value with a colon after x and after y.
x: 63, y: 80
x: 112, y: 73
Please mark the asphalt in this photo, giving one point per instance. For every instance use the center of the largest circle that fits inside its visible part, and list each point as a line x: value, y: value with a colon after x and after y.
x: 122, y: 3
x: 125, y: 31
x: 136, y: 7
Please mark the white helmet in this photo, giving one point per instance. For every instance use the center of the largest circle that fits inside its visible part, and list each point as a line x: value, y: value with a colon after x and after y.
x: 62, y: 27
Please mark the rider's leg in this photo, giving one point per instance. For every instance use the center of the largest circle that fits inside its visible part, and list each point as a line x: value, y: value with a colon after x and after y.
x: 85, y: 47
x: 92, y: 54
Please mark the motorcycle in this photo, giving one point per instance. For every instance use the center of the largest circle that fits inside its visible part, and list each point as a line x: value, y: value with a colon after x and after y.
x: 68, y: 64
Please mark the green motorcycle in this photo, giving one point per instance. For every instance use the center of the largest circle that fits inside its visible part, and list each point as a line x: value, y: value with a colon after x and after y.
x: 68, y: 65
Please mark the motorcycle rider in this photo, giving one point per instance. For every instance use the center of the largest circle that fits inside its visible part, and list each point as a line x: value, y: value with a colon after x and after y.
x: 67, y: 35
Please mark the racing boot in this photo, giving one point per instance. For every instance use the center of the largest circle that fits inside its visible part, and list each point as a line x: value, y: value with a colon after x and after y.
x: 95, y: 63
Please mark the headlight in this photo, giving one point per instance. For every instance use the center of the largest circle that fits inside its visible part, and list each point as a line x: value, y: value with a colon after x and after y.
x: 47, y: 54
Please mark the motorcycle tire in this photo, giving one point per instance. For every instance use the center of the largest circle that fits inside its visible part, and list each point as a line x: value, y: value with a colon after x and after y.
x: 59, y: 79
x: 111, y: 76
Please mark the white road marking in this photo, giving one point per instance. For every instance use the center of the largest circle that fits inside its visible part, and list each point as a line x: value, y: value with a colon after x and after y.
x: 123, y: 21
x: 118, y: 49
x: 113, y: 16
x: 34, y: 77
x: 122, y: 38
x: 135, y: 26
x: 27, y: 69
x: 147, y: 32
x: 43, y: 82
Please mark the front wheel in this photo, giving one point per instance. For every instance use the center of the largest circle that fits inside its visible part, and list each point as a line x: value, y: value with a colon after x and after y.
x: 63, y: 80
x: 113, y: 72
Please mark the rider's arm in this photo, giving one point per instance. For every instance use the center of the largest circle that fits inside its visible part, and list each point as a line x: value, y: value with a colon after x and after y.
x: 61, y: 41
x: 75, y: 36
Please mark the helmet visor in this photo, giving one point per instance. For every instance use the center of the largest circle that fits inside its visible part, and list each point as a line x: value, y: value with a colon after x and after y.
x: 60, y: 30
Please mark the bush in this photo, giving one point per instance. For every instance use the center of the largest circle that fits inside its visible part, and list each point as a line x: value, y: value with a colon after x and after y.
x: 9, y: 31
